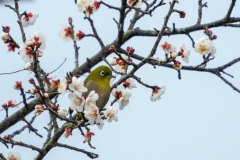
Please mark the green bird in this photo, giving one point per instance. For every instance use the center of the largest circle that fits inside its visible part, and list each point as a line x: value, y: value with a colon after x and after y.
x: 98, y: 80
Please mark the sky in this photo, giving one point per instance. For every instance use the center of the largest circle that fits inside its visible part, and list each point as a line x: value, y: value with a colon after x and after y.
x: 198, y: 116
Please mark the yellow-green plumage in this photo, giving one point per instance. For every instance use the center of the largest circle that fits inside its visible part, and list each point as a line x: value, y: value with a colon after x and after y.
x: 98, y: 80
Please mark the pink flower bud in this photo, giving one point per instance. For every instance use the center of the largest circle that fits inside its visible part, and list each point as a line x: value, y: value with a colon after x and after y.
x: 67, y: 132
x: 112, y: 48
x: 31, y: 80
x: 11, y: 103
x: 18, y: 85
x: 182, y: 15
x: 4, y: 105
x: 214, y: 37
x: 6, y: 29
x: 130, y: 50
x: 177, y: 65
x: 39, y: 53
x: 70, y: 19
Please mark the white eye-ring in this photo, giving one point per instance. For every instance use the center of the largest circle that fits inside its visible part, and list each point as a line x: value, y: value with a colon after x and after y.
x: 102, y: 73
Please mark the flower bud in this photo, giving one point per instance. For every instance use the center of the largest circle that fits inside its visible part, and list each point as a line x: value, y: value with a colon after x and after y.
x: 11, y: 47
x: 173, y: 54
x: 130, y: 50
x: 79, y: 35
x: 112, y: 48
x: 33, y: 91
x: 214, y: 37
x: 6, y: 137
x: 62, y: 112
x: 182, y: 15
x: 18, y: 85
x: 67, y: 132
x: 70, y: 19
x: 39, y: 53
x: 31, y: 80
x: 11, y: 103
x: 6, y: 29
x: 177, y: 65
x: 45, y: 95
x: 5, y: 37
x: 4, y: 105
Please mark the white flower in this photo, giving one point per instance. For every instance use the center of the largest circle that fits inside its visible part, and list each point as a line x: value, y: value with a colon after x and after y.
x: 173, y: 55
x: 26, y: 54
x: 29, y: 19
x: 14, y: 156
x: 92, y: 115
x: 5, y: 37
x: 168, y: 47
x: 100, y: 124
x: 62, y: 112
x: 122, y: 95
x: 76, y: 101
x: 91, y: 99
x: 137, y: 5
x: 65, y: 32
x: 214, y: 50
x: 29, y: 66
x: 92, y: 8
x: 39, y: 38
x: 83, y: 4
x: 185, y: 53
x: 111, y: 114
x: 62, y: 87
x: 157, y: 93
x: 203, y: 46
x: 77, y: 86
x: 38, y: 109
x: 128, y: 83
x: 113, y: 61
x: 121, y: 66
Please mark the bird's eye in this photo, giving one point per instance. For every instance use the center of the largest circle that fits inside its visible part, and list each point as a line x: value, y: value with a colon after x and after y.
x: 102, y: 73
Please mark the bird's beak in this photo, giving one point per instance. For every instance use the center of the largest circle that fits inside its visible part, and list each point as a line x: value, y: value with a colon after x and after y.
x: 112, y: 76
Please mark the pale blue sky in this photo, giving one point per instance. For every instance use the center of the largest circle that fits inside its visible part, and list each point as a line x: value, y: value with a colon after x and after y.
x: 197, y: 118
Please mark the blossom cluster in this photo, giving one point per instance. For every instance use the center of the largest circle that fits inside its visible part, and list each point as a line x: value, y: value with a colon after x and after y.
x: 88, y: 6
x: 66, y: 33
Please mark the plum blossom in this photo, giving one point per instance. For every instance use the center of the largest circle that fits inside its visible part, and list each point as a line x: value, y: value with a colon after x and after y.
x: 39, y: 40
x: 83, y: 5
x: 92, y: 115
x: 167, y: 47
x: 26, y: 54
x: 173, y: 55
x: 91, y: 99
x: 88, y: 136
x: 12, y: 103
x: 14, y: 156
x: 92, y: 8
x: 121, y: 66
x: 184, y: 52
x: 76, y: 101
x: 113, y: 61
x: 157, y: 93
x: 122, y: 96
x: 100, y: 124
x: 77, y: 86
x: 38, y: 109
x: 137, y: 5
x: 62, y: 112
x: 65, y: 32
x: 128, y: 83
x: 111, y: 114
x: 62, y: 86
x: 29, y: 19
x: 205, y: 46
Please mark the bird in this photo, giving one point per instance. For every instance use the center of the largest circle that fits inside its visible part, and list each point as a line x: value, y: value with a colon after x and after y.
x: 99, y: 81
